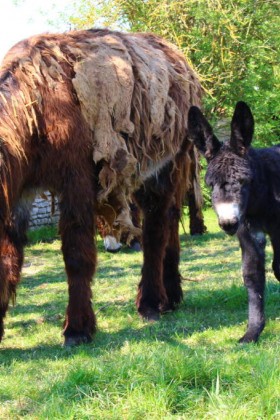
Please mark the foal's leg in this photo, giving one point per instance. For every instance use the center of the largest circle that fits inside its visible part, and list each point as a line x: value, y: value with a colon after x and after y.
x: 151, y: 292
x: 171, y: 274
x: 253, y: 262
x: 79, y: 252
x: 11, y: 258
x: 275, y: 241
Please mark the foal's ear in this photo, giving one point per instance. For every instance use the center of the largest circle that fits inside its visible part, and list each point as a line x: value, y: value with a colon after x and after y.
x: 242, y: 128
x: 200, y: 131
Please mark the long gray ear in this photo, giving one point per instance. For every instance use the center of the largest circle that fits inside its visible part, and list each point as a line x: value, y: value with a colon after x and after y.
x: 242, y: 128
x: 200, y: 131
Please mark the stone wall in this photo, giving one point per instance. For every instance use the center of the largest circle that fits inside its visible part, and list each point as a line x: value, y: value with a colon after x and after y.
x: 42, y: 211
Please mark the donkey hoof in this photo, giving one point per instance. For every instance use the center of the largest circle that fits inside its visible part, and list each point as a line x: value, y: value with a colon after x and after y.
x: 135, y: 246
x: 76, y: 340
x: 167, y: 308
x: 150, y: 315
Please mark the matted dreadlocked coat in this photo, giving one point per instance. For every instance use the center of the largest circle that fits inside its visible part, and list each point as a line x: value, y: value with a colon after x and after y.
x: 130, y: 93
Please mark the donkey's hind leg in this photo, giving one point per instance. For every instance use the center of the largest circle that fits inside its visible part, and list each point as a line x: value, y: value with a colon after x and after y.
x: 11, y: 258
x: 79, y: 252
x: 171, y: 274
x: 253, y: 262
x: 154, y: 198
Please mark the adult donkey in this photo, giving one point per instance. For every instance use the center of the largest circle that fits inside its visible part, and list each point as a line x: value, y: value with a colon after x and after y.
x: 95, y: 116
x: 245, y: 185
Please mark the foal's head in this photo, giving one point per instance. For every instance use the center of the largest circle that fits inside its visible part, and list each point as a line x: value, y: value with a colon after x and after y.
x: 228, y: 174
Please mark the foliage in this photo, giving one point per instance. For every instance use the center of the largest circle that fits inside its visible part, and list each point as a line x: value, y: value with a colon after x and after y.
x: 186, y: 366
x: 233, y: 45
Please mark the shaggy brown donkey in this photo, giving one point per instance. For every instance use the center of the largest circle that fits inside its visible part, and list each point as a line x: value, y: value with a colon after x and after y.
x: 245, y: 185
x: 95, y: 116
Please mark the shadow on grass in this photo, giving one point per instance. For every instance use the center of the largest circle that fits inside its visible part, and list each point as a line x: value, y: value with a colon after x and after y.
x: 56, y: 274
x: 196, y: 314
x: 206, y: 237
x: 200, y: 310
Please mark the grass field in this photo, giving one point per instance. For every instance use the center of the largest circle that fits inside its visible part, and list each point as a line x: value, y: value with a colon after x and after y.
x: 187, y: 366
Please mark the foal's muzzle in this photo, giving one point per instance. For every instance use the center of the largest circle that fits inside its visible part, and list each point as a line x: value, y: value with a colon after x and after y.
x: 229, y: 226
x: 228, y: 216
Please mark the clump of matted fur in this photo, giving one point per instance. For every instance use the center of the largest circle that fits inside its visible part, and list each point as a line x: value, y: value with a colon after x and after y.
x: 132, y: 92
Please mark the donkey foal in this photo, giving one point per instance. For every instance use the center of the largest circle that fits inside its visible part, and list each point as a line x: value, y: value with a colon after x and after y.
x: 245, y: 185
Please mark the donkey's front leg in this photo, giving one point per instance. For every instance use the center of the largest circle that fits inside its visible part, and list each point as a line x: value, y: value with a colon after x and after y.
x: 253, y: 264
x: 10, y: 267
x: 152, y: 298
x: 11, y: 258
x: 79, y: 252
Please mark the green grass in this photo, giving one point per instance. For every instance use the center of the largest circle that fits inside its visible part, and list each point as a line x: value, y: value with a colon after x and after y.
x: 187, y: 366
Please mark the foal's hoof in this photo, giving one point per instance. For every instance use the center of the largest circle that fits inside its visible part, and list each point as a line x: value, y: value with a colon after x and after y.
x: 252, y: 334
x: 249, y: 338
x: 76, y: 340
x: 150, y: 315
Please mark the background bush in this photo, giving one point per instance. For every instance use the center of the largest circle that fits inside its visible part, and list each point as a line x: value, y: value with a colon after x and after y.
x: 233, y: 46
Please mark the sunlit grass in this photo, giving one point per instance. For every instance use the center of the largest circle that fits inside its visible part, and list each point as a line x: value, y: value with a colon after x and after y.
x: 186, y: 366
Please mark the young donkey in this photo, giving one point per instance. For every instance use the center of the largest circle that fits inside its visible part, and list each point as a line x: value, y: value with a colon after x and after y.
x: 245, y: 185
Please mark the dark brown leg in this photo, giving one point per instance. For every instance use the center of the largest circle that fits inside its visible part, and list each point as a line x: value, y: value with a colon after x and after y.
x: 79, y: 252
x: 135, y: 243
x: 154, y: 199
x: 11, y: 259
x: 172, y: 277
x: 196, y: 223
